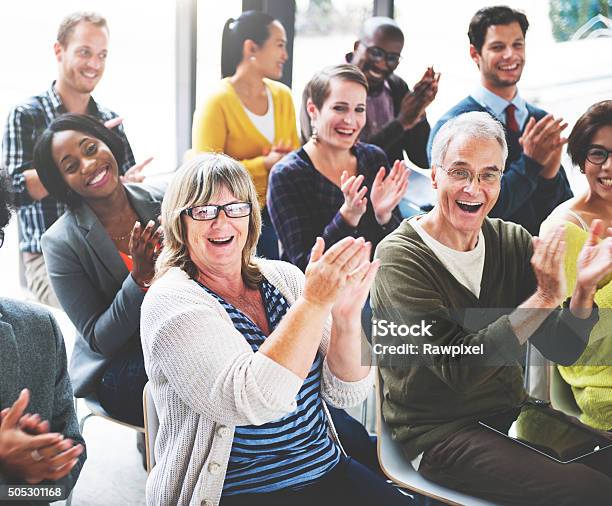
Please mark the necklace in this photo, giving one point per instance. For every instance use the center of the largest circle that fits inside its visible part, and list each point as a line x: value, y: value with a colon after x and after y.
x: 120, y: 238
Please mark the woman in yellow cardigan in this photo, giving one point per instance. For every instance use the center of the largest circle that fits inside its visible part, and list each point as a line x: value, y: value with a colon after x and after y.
x: 590, y: 147
x: 250, y: 116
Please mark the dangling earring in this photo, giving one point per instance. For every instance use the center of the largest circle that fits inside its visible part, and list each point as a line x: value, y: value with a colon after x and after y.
x: 314, y: 135
x: 582, y: 171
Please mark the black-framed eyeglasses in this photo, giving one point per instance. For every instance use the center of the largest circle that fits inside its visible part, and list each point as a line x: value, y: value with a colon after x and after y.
x: 597, y: 155
x: 210, y: 211
x: 1, y: 237
x: 378, y: 54
x: 464, y: 176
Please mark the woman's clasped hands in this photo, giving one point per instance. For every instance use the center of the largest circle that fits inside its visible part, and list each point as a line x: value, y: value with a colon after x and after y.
x: 340, y: 278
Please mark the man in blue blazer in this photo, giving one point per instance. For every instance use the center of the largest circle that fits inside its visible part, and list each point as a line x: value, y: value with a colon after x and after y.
x: 534, y: 182
x: 46, y: 446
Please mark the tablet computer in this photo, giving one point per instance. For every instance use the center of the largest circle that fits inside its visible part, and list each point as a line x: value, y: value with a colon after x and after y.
x: 551, y: 433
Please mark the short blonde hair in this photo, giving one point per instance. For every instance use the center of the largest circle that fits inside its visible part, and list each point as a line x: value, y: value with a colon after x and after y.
x: 196, y: 183
x: 68, y: 24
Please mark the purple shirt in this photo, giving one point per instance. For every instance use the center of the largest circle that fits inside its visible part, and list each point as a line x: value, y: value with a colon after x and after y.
x: 379, y: 111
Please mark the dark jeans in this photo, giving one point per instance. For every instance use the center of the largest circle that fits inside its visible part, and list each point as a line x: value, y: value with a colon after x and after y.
x: 348, y: 483
x: 481, y: 463
x: 120, y: 390
x: 267, y: 246
x: 356, y: 441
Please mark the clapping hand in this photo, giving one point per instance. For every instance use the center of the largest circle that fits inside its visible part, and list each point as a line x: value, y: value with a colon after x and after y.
x: 350, y: 302
x: 144, y: 247
x: 33, y: 458
x: 548, y: 266
x: 542, y: 141
x: 413, y: 105
x: 328, y: 273
x: 388, y: 191
x: 594, y: 264
x: 355, y: 201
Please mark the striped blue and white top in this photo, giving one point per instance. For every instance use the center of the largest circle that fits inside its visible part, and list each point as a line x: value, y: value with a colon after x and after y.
x: 290, y: 452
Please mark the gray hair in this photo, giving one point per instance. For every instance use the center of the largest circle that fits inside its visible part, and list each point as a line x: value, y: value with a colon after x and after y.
x: 195, y: 183
x: 474, y: 124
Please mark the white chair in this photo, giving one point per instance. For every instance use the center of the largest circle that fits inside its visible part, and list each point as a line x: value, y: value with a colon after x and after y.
x: 399, y: 469
x: 151, y: 425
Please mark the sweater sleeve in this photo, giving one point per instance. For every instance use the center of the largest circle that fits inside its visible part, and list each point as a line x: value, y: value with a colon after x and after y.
x: 209, y: 364
x: 18, y: 152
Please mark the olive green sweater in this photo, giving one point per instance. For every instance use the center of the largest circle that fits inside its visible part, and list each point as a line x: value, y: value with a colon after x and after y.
x: 428, y: 397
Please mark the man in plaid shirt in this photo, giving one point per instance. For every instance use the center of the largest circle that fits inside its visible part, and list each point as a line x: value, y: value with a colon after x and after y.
x: 81, y: 49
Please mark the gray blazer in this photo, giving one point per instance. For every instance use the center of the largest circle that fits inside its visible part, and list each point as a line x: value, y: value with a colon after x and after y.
x: 33, y: 356
x: 94, y: 287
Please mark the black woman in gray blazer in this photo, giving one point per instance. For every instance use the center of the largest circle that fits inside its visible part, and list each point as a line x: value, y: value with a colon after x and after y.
x: 100, y: 256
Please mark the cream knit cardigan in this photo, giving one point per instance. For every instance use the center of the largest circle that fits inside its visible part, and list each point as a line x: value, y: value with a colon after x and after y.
x: 205, y: 380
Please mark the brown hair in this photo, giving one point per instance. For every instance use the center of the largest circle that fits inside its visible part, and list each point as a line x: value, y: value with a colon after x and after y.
x: 318, y: 89
x: 68, y: 24
x: 597, y: 116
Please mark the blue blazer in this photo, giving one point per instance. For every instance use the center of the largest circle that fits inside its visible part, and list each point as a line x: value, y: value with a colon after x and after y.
x: 94, y: 287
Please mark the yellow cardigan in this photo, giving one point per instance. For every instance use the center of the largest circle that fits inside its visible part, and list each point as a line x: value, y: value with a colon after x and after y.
x: 591, y: 384
x: 222, y: 125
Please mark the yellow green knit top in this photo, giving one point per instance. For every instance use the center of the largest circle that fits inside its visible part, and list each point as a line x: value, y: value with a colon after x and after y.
x: 591, y: 384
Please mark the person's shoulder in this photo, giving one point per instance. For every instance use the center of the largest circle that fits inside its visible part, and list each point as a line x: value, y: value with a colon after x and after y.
x: 535, y: 111
x: 105, y: 113
x: 278, y: 89
x: 396, y: 83
x: 57, y: 233
x: 371, y: 150
x: 507, y: 236
x: 20, y: 312
x: 219, y: 93
x: 29, y: 107
x: 467, y: 104
x: 144, y: 191
x: 291, y: 163
x: 400, y: 242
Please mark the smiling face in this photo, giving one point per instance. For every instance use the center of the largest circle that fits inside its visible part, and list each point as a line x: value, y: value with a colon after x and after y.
x: 272, y: 55
x: 86, y: 164
x: 342, y: 115
x: 377, y: 72
x: 82, y: 61
x: 463, y: 206
x: 600, y: 176
x: 215, y: 246
x: 502, y: 56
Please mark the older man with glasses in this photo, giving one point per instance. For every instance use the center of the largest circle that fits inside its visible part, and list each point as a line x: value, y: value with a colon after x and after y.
x: 472, y: 290
x: 395, y: 115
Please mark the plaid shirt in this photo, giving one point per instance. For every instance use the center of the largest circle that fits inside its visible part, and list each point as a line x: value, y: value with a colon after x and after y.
x: 304, y: 204
x: 24, y: 125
